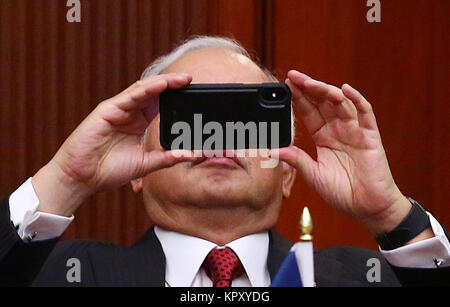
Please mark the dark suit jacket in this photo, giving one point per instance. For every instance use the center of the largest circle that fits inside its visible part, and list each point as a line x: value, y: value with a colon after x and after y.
x: 143, y: 264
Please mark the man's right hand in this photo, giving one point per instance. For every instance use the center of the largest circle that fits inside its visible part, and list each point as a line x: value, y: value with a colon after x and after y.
x: 106, y: 150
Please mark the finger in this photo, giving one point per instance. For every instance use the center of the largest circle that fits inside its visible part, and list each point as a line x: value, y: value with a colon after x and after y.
x: 299, y: 159
x: 309, y: 114
x: 159, y: 159
x: 150, y: 80
x: 330, y: 101
x: 366, y: 117
x: 146, y: 91
x: 315, y: 92
x: 298, y: 78
x: 151, y: 106
x: 344, y: 108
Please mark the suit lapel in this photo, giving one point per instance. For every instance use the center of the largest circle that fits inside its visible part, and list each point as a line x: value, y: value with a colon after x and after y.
x: 152, y: 254
x: 279, y: 248
x: 142, y: 265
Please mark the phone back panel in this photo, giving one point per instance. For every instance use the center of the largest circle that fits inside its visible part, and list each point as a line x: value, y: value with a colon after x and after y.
x: 226, y: 116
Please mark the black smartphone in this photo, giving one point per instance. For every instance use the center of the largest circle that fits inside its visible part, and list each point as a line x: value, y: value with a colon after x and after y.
x: 226, y: 116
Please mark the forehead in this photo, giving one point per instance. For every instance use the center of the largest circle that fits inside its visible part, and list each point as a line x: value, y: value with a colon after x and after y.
x: 214, y: 65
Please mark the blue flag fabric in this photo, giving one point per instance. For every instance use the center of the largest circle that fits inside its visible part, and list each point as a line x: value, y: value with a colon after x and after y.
x: 288, y: 275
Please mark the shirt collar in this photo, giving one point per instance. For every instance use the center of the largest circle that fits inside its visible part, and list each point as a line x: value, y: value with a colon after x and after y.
x: 185, y: 254
x: 252, y: 250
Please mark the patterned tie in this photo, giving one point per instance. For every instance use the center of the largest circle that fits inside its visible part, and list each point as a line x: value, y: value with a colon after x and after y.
x: 222, y: 266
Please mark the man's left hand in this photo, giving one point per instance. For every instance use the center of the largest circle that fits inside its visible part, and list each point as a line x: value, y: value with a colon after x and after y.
x: 351, y: 171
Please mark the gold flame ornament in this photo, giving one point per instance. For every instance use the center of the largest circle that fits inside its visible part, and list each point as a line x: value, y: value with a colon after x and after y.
x: 306, y: 225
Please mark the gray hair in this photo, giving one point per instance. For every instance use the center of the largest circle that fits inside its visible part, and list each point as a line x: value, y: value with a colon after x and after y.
x: 197, y: 43
x: 204, y: 42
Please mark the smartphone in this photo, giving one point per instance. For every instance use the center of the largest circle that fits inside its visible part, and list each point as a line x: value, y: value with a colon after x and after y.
x: 226, y: 116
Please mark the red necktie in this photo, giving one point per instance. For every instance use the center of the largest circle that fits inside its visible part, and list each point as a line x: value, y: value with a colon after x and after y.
x: 222, y: 266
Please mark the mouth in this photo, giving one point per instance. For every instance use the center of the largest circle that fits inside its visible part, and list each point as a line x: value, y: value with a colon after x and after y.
x: 218, y: 161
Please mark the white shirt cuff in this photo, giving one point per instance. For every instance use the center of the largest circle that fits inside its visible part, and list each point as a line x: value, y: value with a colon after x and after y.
x: 34, y: 225
x: 422, y: 254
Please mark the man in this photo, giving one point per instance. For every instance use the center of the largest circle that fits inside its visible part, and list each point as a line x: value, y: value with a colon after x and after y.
x: 208, y: 210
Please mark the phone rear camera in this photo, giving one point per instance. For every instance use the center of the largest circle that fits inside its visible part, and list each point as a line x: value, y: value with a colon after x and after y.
x: 273, y: 95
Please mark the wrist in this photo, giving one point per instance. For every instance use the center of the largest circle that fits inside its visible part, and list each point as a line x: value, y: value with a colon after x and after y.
x: 58, y: 193
x: 387, y: 220
x: 415, y: 227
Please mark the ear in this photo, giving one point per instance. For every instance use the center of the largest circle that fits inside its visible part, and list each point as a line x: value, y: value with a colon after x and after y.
x: 136, y: 184
x: 289, y: 174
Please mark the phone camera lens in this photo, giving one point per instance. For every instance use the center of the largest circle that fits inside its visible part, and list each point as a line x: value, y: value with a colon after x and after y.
x: 273, y: 95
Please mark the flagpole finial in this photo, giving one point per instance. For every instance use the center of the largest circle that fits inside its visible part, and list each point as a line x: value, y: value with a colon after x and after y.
x: 306, y: 225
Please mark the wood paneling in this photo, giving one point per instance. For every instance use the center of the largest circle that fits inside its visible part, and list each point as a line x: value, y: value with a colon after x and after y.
x: 53, y: 73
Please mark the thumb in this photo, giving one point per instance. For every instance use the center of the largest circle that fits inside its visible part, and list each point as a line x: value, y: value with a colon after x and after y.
x: 299, y: 159
x: 159, y: 159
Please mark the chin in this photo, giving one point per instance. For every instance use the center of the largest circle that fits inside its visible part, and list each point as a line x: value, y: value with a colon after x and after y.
x: 218, y: 192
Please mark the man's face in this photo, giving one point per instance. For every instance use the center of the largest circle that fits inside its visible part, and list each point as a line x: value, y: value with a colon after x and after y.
x: 216, y: 182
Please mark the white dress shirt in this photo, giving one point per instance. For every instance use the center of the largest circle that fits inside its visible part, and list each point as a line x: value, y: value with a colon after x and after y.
x: 186, y: 254
x: 33, y: 224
